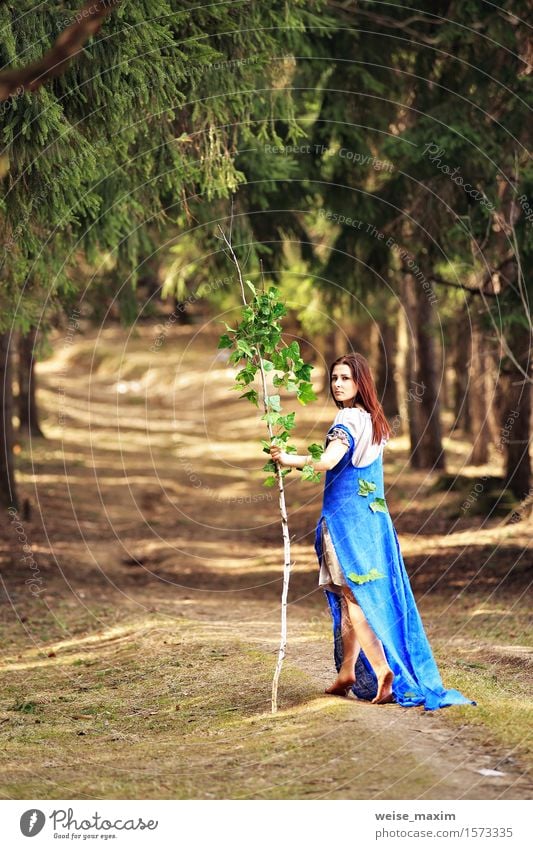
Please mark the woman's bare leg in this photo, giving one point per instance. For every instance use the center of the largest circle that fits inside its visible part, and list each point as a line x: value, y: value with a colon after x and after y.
x: 373, y: 649
x: 350, y: 645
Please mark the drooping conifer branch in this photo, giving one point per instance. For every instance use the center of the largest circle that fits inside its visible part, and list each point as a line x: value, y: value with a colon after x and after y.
x: 87, y: 22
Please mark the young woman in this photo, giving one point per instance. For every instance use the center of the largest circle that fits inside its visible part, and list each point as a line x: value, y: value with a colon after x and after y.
x: 380, y: 647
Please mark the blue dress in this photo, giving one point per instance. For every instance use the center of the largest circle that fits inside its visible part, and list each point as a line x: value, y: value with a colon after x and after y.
x: 368, y: 552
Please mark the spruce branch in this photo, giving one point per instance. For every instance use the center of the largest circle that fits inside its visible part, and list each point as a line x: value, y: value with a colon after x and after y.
x: 87, y: 22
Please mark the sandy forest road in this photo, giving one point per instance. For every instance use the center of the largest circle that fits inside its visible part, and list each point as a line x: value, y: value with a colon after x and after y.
x: 150, y: 651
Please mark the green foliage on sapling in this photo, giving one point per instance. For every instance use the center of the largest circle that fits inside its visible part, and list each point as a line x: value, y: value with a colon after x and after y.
x: 257, y: 340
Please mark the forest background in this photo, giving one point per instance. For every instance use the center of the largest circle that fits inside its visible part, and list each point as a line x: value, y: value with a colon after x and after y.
x: 371, y: 159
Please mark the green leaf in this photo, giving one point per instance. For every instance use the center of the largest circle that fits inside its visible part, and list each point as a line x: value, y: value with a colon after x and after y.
x: 278, y: 310
x: 287, y: 421
x: 378, y: 505
x: 283, y: 355
x: 269, y: 467
x: 365, y: 487
x: 306, y: 393
x: 303, y: 372
x: 270, y: 481
x: 309, y: 473
x: 267, y: 365
x: 225, y: 341
x: 251, y: 285
x: 272, y: 418
x: 274, y: 403
x: 252, y: 396
x: 243, y: 346
x: 269, y: 344
x: 247, y: 374
x: 373, y: 575
x: 315, y: 450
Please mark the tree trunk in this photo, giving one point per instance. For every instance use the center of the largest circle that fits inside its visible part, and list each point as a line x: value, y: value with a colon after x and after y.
x: 427, y: 383
x: 442, y: 372
x: 516, y: 422
x: 385, y: 371
x: 328, y: 345
x: 422, y: 396
x: 462, y: 355
x: 179, y: 308
x: 373, y: 336
x: 27, y: 403
x: 401, y: 366
x: 409, y: 400
x: 477, y: 394
x: 8, y: 492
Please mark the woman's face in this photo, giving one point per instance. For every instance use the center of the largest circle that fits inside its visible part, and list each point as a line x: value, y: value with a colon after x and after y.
x: 343, y: 385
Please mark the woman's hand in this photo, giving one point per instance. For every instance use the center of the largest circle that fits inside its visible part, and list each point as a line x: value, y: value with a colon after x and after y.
x: 278, y: 455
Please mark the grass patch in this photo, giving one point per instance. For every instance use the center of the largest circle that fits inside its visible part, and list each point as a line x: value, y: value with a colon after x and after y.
x: 24, y: 707
x: 146, y: 721
x: 503, y: 714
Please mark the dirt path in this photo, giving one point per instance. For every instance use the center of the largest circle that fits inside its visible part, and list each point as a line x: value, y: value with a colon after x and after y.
x: 143, y: 667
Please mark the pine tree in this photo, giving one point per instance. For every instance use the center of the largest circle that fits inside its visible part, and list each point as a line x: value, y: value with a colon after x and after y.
x: 398, y: 103
x: 101, y: 157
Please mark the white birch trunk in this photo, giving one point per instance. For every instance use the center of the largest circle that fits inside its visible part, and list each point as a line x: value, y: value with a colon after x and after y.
x: 282, y: 509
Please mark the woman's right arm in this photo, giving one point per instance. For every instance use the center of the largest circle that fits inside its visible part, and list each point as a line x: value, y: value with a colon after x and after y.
x: 329, y: 459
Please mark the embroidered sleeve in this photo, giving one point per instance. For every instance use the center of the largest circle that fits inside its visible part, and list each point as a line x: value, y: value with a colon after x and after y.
x: 338, y: 433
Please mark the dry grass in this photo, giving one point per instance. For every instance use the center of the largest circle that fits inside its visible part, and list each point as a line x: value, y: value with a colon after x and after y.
x: 143, y: 670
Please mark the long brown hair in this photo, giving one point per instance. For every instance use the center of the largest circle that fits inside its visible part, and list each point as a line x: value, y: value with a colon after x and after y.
x: 366, y: 393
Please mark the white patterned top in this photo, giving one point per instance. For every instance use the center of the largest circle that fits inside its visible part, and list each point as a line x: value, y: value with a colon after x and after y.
x: 359, y: 423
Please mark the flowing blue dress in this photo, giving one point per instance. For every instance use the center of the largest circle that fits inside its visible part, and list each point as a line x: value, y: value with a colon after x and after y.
x: 368, y: 552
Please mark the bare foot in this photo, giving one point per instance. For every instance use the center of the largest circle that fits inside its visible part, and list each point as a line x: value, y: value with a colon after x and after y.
x: 384, y: 693
x: 342, y: 685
